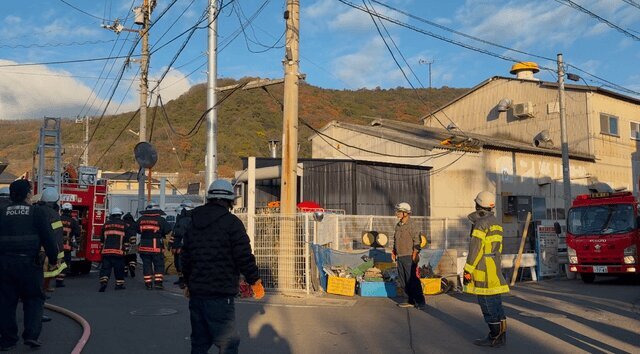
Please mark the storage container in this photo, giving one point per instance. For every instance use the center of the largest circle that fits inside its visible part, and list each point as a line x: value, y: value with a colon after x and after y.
x: 377, y: 289
x: 431, y: 286
x: 341, y: 286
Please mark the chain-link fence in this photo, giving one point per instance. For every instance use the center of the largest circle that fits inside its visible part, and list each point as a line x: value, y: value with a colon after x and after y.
x: 281, y: 242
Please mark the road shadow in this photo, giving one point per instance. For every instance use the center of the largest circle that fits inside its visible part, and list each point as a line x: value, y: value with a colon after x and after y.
x: 267, y: 339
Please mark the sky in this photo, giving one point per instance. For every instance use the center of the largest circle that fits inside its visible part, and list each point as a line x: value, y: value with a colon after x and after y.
x: 340, y: 46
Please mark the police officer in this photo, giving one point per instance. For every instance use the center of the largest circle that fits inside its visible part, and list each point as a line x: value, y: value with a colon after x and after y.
x: 153, y: 228
x: 482, y: 271
x: 49, y: 202
x: 131, y: 257
x: 215, y: 251
x: 406, y: 250
x: 179, y: 230
x: 71, y: 235
x: 115, y: 241
x: 24, y: 229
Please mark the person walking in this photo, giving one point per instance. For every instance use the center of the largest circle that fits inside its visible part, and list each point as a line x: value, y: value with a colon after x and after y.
x: 131, y: 256
x: 406, y: 253
x: 71, y: 235
x: 153, y: 228
x: 115, y: 241
x: 179, y: 230
x: 482, y: 271
x: 24, y: 230
x: 215, y: 251
x: 49, y: 203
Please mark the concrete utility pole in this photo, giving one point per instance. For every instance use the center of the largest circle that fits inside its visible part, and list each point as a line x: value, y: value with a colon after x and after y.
x: 422, y: 61
x: 211, y: 159
x: 288, y: 185
x: 144, y: 88
x: 85, y: 154
x: 566, y: 178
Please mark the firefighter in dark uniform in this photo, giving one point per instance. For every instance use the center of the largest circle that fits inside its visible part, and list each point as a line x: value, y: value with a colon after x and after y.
x: 153, y: 228
x: 115, y: 242
x: 24, y: 229
x: 131, y: 256
x: 71, y: 235
x: 49, y: 202
x: 179, y: 230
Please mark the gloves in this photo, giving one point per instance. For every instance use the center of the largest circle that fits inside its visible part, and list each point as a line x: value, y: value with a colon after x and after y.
x: 467, y: 278
x: 394, y: 256
x: 415, y: 256
x: 52, y: 267
x: 258, y: 289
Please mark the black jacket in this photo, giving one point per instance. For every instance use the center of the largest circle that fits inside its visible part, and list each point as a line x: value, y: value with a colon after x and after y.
x: 24, y: 229
x: 56, y: 223
x: 152, y: 228
x: 183, y: 222
x: 215, y: 251
x: 115, y: 237
x: 70, y: 229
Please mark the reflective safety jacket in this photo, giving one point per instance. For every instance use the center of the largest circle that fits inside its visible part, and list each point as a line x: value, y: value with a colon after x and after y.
x: 485, y: 250
x: 152, y: 228
x: 70, y: 231
x: 114, y: 238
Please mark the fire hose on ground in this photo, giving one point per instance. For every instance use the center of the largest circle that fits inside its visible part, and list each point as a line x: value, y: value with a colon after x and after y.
x: 86, y: 328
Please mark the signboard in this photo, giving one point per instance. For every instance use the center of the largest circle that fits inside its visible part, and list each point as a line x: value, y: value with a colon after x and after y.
x: 547, y: 244
x: 193, y: 188
x: 68, y: 198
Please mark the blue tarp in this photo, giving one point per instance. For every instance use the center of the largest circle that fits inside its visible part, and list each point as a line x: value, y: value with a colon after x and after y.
x: 326, y: 256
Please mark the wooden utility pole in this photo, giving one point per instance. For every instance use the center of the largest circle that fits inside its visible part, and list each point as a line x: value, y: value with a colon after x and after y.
x: 288, y: 186
x: 566, y: 177
x: 144, y: 88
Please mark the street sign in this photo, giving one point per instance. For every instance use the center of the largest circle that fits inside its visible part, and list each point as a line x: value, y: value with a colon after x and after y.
x: 193, y: 188
x: 547, y: 251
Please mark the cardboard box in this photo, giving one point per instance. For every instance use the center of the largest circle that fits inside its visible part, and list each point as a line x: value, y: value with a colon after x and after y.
x: 341, y: 286
x: 431, y: 286
x: 377, y: 289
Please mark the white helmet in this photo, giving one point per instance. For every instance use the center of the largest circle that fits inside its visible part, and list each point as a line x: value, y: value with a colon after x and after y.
x: 186, y: 204
x: 486, y: 199
x: 116, y: 211
x: 153, y: 206
x: 404, y: 207
x: 67, y: 206
x: 221, y: 189
x: 49, y: 194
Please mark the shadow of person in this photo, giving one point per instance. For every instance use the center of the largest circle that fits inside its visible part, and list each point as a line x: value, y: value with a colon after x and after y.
x: 269, y: 338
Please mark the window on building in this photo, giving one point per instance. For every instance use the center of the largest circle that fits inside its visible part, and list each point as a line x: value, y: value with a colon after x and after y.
x: 540, y: 209
x: 635, y: 130
x: 608, y: 124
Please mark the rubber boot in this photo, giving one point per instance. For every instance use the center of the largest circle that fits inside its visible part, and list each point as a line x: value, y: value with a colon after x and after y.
x: 159, y: 286
x: 503, y: 332
x: 149, y: 286
x: 103, y: 287
x: 491, y: 339
x: 120, y: 287
x: 132, y: 271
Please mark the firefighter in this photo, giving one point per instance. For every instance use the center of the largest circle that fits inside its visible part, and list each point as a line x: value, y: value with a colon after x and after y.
x: 24, y: 229
x: 115, y: 241
x: 71, y: 235
x: 49, y: 202
x: 216, y: 250
x: 131, y: 257
x: 179, y: 230
x: 153, y: 228
x: 482, y: 271
x: 406, y: 251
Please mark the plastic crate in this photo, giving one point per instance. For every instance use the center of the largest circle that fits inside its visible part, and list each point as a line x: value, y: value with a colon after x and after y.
x: 377, y: 289
x: 341, y: 286
x: 431, y: 286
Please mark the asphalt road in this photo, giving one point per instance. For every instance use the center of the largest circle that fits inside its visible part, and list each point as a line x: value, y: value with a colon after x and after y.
x: 553, y: 316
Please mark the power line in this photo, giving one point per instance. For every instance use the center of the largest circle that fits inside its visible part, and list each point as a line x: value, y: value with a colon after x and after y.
x: 64, y: 61
x: 117, y: 137
x: 632, y: 3
x: 46, y: 45
x: 82, y: 11
x: 239, y: 13
x: 599, y: 18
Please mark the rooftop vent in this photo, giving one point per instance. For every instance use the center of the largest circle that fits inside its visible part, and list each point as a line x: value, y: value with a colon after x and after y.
x: 525, y: 70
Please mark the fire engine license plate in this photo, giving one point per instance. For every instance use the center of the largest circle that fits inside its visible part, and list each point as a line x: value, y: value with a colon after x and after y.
x: 600, y: 269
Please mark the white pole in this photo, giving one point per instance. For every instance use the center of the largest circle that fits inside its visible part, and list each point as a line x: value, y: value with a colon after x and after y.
x: 211, y: 162
x: 251, y: 200
x: 307, y: 263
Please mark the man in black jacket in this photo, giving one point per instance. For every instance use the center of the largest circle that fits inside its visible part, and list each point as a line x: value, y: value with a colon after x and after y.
x: 215, y: 251
x: 131, y: 257
x: 175, y: 243
x: 24, y: 229
x: 115, y: 242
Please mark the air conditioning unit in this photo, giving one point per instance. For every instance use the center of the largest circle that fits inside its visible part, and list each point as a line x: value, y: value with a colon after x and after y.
x: 523, y: 110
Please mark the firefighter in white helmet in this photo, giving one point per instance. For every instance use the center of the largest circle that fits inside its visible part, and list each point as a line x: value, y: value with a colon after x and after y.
x: 49, y: 203
x: 482, y: 272
x: 71, y: 235
x: 115, y: 242
x: 406, y: 250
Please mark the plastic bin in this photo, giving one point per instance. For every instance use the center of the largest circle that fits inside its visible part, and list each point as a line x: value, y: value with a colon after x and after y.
x: 341, y: 286
x: 431, y: 286
x: 377, y: 289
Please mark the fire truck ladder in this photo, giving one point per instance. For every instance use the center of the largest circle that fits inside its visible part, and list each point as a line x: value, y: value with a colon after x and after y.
x: 50, y: 155
x: 99, y: 207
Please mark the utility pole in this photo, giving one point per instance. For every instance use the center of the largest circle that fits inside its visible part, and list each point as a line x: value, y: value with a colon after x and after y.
x: 566, y: 178
x: 288, y: 187
x: 85, y: 154
x: 422, y: 61
x: 211, y: 159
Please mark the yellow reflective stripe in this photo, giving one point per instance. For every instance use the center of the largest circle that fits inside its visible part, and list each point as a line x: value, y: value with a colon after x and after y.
x: 478, y: 233
x: 493, y: 238
x: 61, y: 255
x: 56, y: 272
x: 469, y: 268
x: 56, y: 225
x: 491, y: 291
x: 495, y: 228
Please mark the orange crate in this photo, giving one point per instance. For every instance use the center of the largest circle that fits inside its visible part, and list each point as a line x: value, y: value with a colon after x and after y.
x: 341, y: 286
x: 431, y: 286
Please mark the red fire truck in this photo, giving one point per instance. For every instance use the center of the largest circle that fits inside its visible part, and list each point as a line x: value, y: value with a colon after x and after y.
x: 603, y: 236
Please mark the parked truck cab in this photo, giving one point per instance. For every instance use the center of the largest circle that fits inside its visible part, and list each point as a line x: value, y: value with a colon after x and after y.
x: 602, y: 235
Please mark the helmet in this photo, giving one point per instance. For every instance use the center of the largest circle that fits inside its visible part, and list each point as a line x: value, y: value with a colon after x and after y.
x: 67, y: 206
x: 404, y: 207
x: 49, y: 194
x: 186, y: 204
x: 4, y: 191
x: 486, y: 199
x: 152, y: 206
x: 221, y: 189
x: 116, y: 211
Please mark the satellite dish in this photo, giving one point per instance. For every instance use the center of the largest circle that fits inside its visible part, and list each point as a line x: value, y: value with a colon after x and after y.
x: 146, y: 155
